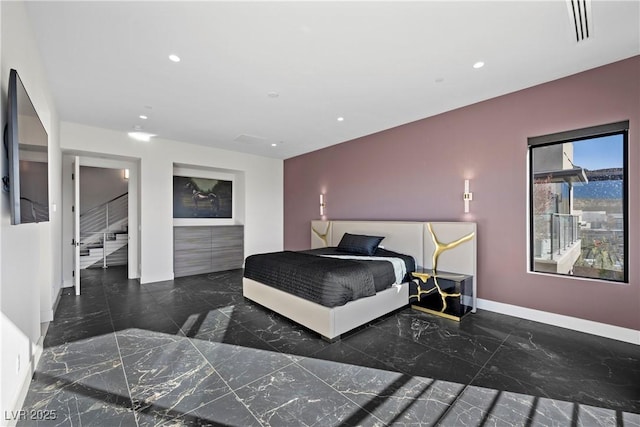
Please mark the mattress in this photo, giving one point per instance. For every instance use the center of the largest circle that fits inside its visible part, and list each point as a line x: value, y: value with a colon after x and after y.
x: 326, y: 276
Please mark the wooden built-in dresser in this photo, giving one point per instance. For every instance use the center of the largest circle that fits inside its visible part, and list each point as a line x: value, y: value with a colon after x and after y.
x: 206, y: 249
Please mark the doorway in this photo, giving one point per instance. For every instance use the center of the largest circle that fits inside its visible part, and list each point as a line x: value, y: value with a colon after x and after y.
x: 100, y: 195
x: 103, y: 217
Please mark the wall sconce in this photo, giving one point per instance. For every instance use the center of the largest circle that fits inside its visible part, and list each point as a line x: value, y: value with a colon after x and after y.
x: 322, y: 205
x: 125, y: 174
x: 467, y: 196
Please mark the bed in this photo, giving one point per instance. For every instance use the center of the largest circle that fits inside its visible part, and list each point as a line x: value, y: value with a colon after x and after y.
x: 418, y: 240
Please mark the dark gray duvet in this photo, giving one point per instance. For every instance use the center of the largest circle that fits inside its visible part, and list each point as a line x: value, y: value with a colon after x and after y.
x: 326, y: 281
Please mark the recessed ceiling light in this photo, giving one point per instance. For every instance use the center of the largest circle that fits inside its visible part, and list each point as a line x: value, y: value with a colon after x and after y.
x: 143, y: 117
x: 273, y: 94
x: 478, y: 64
x: 439, y: 80
x: 274, y: 145
x: 141, y: 136
x: 174, y: 58
x: 340, y: 119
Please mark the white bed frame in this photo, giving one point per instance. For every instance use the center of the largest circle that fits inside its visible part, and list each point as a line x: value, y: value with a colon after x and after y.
x: 411, y: 238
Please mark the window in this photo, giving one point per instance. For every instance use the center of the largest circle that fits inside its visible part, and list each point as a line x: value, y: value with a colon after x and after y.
x: 578, y: 203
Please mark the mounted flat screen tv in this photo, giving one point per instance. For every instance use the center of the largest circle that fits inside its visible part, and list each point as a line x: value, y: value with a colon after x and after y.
x: 26, y: 142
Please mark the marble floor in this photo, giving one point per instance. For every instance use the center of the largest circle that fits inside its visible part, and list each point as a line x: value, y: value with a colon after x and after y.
x: 193, y: 352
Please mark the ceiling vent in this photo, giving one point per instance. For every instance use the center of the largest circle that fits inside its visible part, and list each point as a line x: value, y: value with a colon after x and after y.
x: 249, y: 139
x: 580, y: 15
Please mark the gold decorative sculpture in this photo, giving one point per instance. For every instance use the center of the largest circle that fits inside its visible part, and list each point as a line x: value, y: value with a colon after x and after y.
x: 323, y: 237
x: 441, y: 247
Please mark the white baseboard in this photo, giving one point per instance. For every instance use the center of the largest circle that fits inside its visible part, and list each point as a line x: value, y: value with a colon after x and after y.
x: 582, y: 325
x: 24, y: 388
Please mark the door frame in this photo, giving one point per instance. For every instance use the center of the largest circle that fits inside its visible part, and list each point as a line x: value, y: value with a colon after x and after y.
x: 68, y: 218
x: 76, y: 223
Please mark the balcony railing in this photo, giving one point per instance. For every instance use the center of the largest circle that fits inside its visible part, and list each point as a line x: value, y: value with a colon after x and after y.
x: 554, y: 233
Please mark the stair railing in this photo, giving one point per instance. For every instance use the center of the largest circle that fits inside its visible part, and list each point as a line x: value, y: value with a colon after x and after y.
x: 96, y: 223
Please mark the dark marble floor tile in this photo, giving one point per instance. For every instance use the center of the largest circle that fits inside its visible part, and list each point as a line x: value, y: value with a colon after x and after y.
x: 549, y: 372
x: 480, y: 406
x: 226, y: 411
x: 172, y: 418
x: 392, y: 397
x: 157, y: 322
x: 222, y: 300
x: 613, y: 364
x: 131, y: 303
x: 246, y: 310
x: 78, y: 319
x: 191, y: 318
x: 124, y: 287
x: 293, y: 396
x: 104, y: 376
x: 194, y: 324
x: 628, y: 419
x: 556, y: 412
x: 76, y: 405
x: 223, y: 412
x: 72, y: 305
x: 488, y: 323
x: 225, y: 281
x: 413, y: 358
x: 175, y: 297
x: 90, y: 286
x: 134, y: 340
x: 445, y: 335
x: 63, y: 331
x: 172, y: 380
x: 234, y: 334
x: 285, y: 335
x: 239, y: 366
x: 342, y: 353
x: 81, y: 398
x: 555, y: 343
x: 97, y: 279
x: 78, y: 355
x: 165, y: 285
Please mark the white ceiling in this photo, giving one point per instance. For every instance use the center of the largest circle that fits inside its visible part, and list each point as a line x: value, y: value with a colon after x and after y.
x: 377, y: 64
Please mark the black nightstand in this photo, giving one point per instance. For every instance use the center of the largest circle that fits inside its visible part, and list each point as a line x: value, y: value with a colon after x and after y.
x: 445, y: 294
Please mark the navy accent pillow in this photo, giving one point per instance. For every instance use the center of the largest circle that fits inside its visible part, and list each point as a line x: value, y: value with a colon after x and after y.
x: 359, y: 244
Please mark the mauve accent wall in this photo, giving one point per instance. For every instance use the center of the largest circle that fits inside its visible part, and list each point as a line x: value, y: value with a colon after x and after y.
x: 417, y: 171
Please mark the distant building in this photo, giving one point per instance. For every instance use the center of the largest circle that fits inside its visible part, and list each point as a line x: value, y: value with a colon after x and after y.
x: 557, y: 244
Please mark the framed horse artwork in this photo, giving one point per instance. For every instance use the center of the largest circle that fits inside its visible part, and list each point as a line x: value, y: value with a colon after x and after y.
x: 202, y: 197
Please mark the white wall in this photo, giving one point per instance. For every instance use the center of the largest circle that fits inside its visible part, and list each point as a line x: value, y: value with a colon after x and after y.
x: 30, y: 266
x: 260, y: 177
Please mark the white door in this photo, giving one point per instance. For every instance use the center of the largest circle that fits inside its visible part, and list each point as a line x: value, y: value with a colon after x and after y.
x: 76, y: 224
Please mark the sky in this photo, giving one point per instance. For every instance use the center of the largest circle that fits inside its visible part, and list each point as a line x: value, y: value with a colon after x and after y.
x: 599, y: 153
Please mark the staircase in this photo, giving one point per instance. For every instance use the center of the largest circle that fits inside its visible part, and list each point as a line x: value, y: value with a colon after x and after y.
x: 103, y: 234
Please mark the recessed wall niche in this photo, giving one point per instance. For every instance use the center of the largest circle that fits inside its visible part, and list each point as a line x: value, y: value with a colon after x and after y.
x: 208, y: 231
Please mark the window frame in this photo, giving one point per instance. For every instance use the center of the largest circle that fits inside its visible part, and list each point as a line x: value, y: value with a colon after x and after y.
x: 617, y: 128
